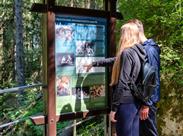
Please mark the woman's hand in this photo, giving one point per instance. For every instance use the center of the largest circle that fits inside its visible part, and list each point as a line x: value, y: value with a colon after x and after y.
x: 144, y: 112
x: 112, y: 116
x: 87, y: 66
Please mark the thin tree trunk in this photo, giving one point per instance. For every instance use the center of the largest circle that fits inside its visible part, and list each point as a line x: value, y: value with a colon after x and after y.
x: 1, y: 44
x: 72, y: 3
x: 92, y: 4
x: 87, y: 4
x: 19, y: 50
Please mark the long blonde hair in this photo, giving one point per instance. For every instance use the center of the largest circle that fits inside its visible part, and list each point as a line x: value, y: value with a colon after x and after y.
x: 129, y: 37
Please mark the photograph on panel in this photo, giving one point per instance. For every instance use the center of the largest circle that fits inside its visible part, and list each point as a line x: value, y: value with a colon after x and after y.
x: 85, y: 48
x: 64, y: 59
x: 64, y: 39
x: 81, y: 61
x: 63, y: 85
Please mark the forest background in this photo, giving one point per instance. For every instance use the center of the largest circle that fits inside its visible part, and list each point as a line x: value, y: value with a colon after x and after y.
x: 163, y: 21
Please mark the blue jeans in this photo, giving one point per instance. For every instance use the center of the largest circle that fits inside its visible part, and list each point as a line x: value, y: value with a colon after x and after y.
x: 148, y: 127
x: 127, y: 120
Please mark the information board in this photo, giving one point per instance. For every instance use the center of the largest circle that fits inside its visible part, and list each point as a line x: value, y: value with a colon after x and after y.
x: 80, y: 40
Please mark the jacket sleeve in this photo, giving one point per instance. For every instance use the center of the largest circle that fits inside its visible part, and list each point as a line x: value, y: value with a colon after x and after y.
x: 125, y: 71
x: 154, y: 60
x: 104, y: 62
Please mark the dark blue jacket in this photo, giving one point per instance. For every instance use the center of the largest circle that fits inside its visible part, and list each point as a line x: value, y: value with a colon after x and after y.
x: 153, y: 53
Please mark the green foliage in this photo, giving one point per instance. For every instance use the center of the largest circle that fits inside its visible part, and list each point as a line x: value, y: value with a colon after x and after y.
x: 163, y: 21
x: 93, y: 127
x: 17, y: 106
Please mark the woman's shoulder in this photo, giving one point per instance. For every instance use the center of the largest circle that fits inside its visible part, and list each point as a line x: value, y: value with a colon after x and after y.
x: 128, y: 51
x: 135, y: 51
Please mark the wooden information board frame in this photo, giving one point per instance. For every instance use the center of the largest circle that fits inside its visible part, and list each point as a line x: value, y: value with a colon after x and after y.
x: 49, y: 10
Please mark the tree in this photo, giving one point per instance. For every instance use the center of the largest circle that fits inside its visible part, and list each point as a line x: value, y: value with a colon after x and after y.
x: 19, y: 49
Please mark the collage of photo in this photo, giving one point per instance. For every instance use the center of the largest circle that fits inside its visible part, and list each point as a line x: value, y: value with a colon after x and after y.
x: 77, y: 44
x: 63, y: 84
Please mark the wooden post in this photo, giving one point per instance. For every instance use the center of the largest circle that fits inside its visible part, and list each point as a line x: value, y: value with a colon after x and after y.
x: 44, y: 63
x: 112, y: 7
x: 112, y: 53
x: 51, y: 98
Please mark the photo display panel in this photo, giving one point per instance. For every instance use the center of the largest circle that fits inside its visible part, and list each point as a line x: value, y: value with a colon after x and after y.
x: 79, y: 41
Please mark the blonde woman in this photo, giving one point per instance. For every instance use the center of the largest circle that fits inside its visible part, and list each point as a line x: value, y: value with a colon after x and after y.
x: 126, y: 66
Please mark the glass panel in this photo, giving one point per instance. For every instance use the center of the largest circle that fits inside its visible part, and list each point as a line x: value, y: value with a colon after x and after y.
x: 80, y: 40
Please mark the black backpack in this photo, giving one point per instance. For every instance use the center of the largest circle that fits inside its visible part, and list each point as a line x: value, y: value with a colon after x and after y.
x: 145, y: 84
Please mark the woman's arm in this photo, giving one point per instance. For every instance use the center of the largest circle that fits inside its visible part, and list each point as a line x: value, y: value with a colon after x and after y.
x: 100, y: 63
x: 104, y: 62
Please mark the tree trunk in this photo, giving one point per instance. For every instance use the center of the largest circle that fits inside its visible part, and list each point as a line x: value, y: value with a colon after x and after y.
x: 1, y: 47
x: 92, y: 4
x: 19, y: 50
x: 72, y: 3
